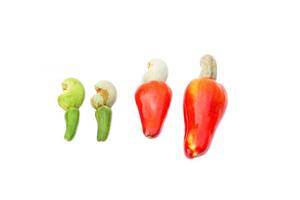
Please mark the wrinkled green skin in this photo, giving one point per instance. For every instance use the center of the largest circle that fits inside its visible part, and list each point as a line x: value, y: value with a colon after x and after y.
x: 70, y: 100
x: 103, y: 116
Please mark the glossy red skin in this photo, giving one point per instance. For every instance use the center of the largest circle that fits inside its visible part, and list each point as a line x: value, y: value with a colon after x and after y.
x: 153, y: 101
x: 205, y: 102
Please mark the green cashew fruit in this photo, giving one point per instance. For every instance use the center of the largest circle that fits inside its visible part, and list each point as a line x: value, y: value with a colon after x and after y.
x: 103, y: 117
x: 102, y: 102
x: 70, y: 100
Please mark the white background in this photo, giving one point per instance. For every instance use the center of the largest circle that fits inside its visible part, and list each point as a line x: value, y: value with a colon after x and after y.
x: 255, y: 152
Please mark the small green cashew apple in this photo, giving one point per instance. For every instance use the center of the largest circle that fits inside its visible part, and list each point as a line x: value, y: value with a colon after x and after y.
x: 70, y: 100
x: 102, y: 102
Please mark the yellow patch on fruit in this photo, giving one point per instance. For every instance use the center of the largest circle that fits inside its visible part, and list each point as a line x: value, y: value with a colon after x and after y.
x: 193, y: 88
x: 190, y: 141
